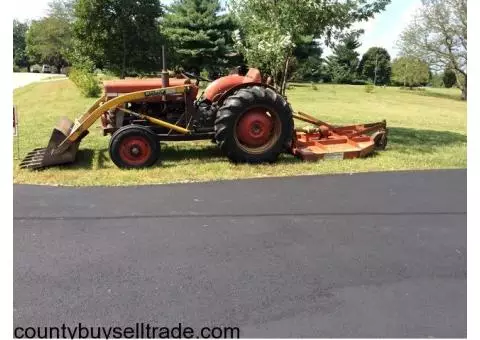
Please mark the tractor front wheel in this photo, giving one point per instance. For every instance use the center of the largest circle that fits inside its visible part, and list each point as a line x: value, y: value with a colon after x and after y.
x: 134, y: 146
x: 254, y: 125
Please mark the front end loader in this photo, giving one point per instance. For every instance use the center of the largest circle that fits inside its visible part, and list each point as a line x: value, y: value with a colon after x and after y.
x: 248, y: 119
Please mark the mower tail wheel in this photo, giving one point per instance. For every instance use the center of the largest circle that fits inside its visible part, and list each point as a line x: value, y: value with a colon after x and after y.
x: 380, y: 139
x: 254, y: 125
x: 134, y: 146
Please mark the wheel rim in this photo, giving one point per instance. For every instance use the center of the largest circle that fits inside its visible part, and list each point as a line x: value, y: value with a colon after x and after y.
x: 135, y: 150
x: 257, y: 130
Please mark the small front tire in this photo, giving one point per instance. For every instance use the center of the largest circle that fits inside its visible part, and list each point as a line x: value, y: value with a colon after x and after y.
x: 133, y: 147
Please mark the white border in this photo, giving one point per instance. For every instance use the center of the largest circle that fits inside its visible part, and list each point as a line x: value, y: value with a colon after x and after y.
x: 6, y: 205
x: 473, y: 122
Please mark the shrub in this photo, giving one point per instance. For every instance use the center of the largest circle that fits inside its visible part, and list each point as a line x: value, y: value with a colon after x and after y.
x: 16, y: 68
x: 359, y: 82
x: 85, y: 81
x: 449, y: 78
x: 369, y: 88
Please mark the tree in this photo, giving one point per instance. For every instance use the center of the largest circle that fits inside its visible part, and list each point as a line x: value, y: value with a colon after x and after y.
x: 20, y: 57
x: 198, y: 36
x: 410, y: 71
x: 63, y: 9
x: 342, y: 64
x: 438, y: 35
x: 48, y: 41
x: 449, y: 78
x: 308, y: 60
x: 270, y: 30
x: 375, y: 66
x: 119, y: 35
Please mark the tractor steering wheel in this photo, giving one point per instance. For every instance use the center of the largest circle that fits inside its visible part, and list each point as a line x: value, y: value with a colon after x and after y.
x: 191, y: 75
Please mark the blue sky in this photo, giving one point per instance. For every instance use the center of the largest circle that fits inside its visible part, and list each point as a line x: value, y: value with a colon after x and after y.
x: 383, y: 30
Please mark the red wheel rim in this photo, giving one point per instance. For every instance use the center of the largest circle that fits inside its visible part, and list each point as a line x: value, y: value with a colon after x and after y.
x: 255, y: 128
x: 135, y: 150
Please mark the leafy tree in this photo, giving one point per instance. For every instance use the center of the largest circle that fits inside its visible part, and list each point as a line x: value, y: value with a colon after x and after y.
x: 63, y: 9
x: 375, y: 65
x: 20, y: 57
x: 270, y: 30
x: 449, y: 78
x: 438, y: 35
x: 436, y: 79
x: 119, y: 35
x: 198, y: 35
x: 48, y: 41
x: 342, y: 64
x: 410, y: 71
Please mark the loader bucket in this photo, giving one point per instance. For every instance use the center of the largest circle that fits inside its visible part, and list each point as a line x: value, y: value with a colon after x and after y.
x: 52, y: 154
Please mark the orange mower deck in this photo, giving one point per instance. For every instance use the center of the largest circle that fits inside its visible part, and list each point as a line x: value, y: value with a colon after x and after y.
x: 334, y: 142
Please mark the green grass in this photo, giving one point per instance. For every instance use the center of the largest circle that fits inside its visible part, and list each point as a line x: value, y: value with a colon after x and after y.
x: 425, y: 133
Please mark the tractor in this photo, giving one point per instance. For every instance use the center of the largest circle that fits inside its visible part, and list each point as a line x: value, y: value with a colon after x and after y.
x: 244, y: 115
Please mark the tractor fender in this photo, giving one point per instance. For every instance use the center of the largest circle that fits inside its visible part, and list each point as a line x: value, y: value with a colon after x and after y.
x: 219, y: 98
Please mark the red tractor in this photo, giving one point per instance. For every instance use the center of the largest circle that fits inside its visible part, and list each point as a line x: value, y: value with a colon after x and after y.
x: 248, y: 119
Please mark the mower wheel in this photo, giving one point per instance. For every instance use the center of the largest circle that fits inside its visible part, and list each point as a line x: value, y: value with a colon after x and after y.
x: 380, y: 139
x: 254, y: 125
x: 134, y: 146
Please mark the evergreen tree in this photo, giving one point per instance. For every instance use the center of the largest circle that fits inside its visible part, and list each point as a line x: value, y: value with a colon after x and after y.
x: 199, y: 36
x: 342, y: 64
x: 308, y: 57
x: 375, y: 66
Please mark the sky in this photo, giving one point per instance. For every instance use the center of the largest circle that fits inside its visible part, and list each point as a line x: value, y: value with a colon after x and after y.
x: 382, y: 31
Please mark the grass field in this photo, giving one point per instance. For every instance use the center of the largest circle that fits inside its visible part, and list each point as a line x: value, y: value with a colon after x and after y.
x: 427, y: 131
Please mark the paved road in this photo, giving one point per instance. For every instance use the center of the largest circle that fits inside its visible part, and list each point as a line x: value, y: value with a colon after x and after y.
x: 23, y: 79
x: 366, y: 255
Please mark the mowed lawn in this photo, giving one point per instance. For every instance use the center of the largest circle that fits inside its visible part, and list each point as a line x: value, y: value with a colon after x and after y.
x: 427, y: 131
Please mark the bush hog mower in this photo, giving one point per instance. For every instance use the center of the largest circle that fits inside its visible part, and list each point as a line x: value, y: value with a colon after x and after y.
x: 248, y: 119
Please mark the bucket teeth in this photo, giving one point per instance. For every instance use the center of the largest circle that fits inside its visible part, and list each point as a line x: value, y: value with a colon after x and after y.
x: 37, y: 164
x: 44, y: 157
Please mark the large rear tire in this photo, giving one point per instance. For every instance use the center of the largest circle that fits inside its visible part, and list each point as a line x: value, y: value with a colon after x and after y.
x: 254, y: 125
x: 134, y: 146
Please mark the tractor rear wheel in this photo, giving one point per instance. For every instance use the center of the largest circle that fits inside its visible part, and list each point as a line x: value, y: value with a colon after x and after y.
x: 134, y: 146
x: 254, y: 125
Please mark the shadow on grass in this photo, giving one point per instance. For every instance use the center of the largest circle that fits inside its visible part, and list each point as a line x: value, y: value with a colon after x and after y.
x: 83, y: 160
x: 405, y: 140
x: 181, y: 153
x: 424, y: 141
x: 427, y: 93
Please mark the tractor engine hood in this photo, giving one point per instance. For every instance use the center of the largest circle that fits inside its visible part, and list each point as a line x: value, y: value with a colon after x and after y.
x: 115, y: 87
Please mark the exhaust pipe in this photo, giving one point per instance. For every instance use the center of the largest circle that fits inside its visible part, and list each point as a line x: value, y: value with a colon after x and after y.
x: 165, y: 77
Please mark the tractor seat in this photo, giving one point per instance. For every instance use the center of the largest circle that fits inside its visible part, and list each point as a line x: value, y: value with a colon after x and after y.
x: 254, y: 75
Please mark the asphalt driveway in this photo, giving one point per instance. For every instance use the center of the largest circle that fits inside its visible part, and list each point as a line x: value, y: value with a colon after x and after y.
x: 364, y: 255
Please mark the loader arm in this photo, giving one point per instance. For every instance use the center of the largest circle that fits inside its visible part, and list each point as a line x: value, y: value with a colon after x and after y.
x: 67, y: 135
x: 100, y: 107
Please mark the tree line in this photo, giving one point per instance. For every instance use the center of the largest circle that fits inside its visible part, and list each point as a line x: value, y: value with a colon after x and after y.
x: 283, y: 38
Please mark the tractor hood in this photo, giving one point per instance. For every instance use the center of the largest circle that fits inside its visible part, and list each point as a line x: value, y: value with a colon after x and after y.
x: 115, y: 87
